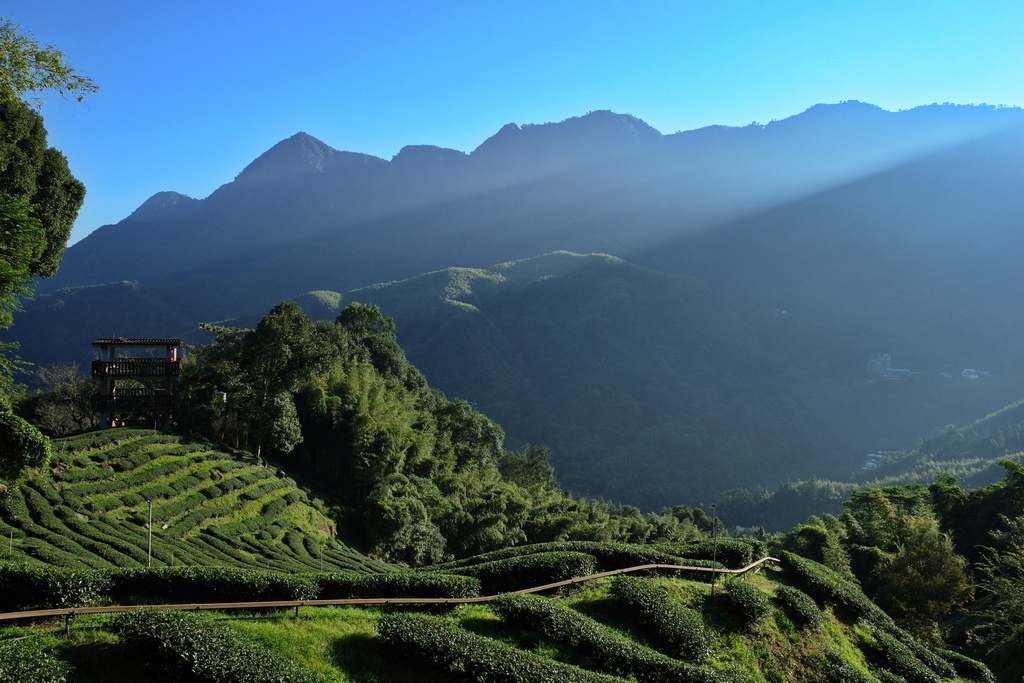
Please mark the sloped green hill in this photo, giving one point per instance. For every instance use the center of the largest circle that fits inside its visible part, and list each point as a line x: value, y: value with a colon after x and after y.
x: 797, y: 622
x: 210, y: 508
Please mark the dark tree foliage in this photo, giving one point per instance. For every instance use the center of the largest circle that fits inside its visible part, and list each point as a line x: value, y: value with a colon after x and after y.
x: 421, y: 478
x: 375, y: 334
x: 39, y: 198
x: 39, y: 177
x: 21, y: 445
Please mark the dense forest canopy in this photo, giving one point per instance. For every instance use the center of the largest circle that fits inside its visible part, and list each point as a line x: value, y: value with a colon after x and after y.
x: 419, y: 478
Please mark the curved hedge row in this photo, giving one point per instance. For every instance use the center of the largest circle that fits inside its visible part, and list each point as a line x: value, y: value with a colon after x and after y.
x: 608, y: 556
x: 680, y: 632
x: 398, y: 585
x: 208, y: 584
x: 25, y: 661
x: 748, y: 603
x: 612, y: 651
x: 824, y: 585
x: 196, y: 645
x: 443, y: 642
x: 26, y: 586
x: 799, y: 606
x: 35, y: 587
x: 836, y: 668
x: 732, y: 552
x: 900, y: 660
x: 527, y: 571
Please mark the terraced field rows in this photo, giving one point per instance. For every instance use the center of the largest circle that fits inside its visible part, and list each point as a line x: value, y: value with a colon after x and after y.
x: 209, y: 508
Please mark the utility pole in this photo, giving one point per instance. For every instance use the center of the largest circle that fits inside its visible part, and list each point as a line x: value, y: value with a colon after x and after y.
x: 714, y: 551
x: 149, y: 562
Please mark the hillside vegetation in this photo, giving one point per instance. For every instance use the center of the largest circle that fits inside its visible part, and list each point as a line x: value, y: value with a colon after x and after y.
x: 90, y: 508
x: 972, y: 454
x: 796, y: 623
x: 651, y: 388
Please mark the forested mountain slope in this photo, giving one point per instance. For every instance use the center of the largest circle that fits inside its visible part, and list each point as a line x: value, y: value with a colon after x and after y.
x: 650, y: 388
x: 809, y: 243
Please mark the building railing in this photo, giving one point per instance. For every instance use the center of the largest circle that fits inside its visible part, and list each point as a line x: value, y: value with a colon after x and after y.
x: 133, y: 399
x: 136, y: 367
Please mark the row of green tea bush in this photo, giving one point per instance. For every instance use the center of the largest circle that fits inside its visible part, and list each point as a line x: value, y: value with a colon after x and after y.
x: 679, y: 632
x: 749, y: 604
x: 608, y: 556
x: 898, y: 650
x: 732, y: 552
x: 35, y: 587
x: 25, y: 661
x: 526, y: 571
x: 448, y: 645
x: 197, y: 646
x: 606, y: 647
x: 825, y: 586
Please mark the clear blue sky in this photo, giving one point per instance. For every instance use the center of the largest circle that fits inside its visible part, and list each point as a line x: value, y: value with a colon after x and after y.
x: 192, y: 91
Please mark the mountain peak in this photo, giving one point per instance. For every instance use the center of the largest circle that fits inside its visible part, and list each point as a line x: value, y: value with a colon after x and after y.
x: 165, y: 207
x: 298, y: 155
x: 537, y: 149
x: 430, y: 155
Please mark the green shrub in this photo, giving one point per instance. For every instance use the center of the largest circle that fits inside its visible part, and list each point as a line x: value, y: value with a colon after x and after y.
x: 609, y: 556
x: 529, y: 570
x: 925, y: 653
x: 208, y: 584
x: 824, y: 585
x: 192, y: 519
x: 968, y: 668
x: 680, y: 632
x: 25, y: 661
x: 77, y: 475
x: 25, y: 586
x: 21, y: 445
x: 196, y: 645
x: 799, y: 606
x: 612, y: 651
x: 732, y: 552
x: 748, y: 603
x: 836, y: 668
x: 398, y: 585
x: 901, y: 660
x: 443, y: 642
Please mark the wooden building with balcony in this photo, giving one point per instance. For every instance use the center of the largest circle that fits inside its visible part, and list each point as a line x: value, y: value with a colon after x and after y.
x: 149, y: 396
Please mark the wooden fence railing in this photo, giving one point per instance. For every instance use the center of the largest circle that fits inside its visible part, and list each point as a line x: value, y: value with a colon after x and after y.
x: 282, y: 604
x: 136, y: 367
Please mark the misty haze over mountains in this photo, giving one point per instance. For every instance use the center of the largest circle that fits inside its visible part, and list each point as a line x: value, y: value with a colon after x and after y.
x: 722, y: 342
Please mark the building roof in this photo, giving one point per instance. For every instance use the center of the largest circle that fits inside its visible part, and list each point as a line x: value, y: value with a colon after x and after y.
x: 120, y: 341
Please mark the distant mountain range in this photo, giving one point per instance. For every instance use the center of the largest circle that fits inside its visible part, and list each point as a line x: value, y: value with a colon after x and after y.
x: 720, y: 341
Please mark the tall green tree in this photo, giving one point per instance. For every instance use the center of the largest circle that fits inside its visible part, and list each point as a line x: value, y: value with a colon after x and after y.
x: 374, y: 334
x: 261, y: 370
x: 39, y: 200
x: 925, y: 580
